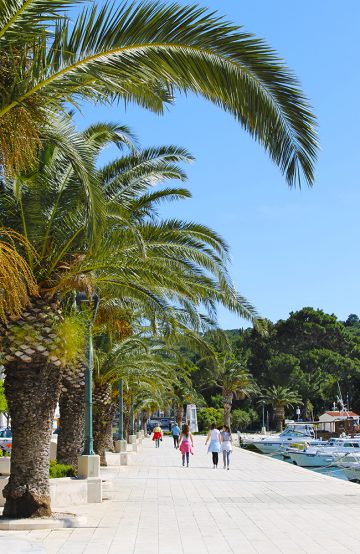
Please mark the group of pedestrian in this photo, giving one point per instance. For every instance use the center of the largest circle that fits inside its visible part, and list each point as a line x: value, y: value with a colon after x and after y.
x: 220, y: 441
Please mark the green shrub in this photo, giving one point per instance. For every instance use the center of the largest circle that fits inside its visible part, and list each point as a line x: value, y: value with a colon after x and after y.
x: 242, y: 419
x: 61, y: 470
x: 5, y: 454
x: 207, y: 416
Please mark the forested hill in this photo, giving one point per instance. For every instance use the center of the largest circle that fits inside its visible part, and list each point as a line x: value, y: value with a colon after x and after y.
x: 310, y: 352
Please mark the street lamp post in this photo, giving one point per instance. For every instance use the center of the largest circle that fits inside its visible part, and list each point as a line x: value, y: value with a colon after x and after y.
x: 88, y: 462
x: 121, y: 411
x: 132, y: 430
x: 132, y: 436
x: 92, y: 304
x: 120, y: 443
x: 263, y: 429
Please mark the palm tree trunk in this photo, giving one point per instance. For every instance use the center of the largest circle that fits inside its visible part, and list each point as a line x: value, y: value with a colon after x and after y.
x: 144, y: 418
x: 126, y: 421
x: 32, y: 387
x: 72, y: 416
x: 227, y: 401
x: 179, y: 413
x: 110, y: 434
x: 279, y: 417
x: 103, y: 414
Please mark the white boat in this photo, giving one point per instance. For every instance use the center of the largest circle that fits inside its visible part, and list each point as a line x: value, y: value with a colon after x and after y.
x: 352, y: 472
x: 330, y: 453
x: 295, y: 433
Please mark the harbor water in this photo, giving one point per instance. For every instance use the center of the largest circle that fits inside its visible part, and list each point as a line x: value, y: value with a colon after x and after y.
x: 331, y: 471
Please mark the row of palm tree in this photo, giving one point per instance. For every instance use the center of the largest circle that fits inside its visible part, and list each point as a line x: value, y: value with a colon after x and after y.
x: 85, y: 228
x: 164, y: 269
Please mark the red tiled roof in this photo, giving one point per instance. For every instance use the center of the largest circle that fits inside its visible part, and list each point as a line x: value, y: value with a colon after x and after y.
x: 342, y: 414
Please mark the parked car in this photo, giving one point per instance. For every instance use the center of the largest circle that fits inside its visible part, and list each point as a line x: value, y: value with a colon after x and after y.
x: 166, y: 423
x: 6, y: 440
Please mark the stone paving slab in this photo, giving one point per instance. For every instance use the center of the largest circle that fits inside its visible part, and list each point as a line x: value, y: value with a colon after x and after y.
x: 156, y: 506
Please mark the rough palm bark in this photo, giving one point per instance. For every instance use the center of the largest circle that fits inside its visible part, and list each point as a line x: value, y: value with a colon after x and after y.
x: 144, y: 418
x: 179, y: 413
x: 103, y: 414
x: 126, y: 422
x: 110, y: 433
x: 227, y: 402
x: 32, y: 385
x: 279, y: 417
x: 72, y: 415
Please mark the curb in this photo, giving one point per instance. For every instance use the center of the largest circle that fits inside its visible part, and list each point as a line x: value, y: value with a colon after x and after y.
x: 58, y: 521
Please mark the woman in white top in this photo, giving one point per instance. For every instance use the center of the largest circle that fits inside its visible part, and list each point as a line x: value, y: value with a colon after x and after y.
x: 215, y: 444
x: 226, y: 446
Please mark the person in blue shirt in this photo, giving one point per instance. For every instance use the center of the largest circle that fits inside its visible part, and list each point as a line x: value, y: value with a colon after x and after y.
x: 175, y: 431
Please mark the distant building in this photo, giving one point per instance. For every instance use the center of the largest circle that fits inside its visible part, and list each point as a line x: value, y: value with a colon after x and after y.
x: 338, y: 422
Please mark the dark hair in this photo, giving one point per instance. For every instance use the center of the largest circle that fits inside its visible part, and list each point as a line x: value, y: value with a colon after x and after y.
x: 213, y: 426
x: 185, y: 429
x: 227, y: 428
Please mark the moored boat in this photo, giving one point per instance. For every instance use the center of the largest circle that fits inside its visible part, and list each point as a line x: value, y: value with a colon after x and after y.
x: 330, y: 453
x: 352, y: 472
x: 278, y: 443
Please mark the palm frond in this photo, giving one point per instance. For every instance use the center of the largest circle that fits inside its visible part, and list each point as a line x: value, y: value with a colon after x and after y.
x: 141, y: 51
x: 17, y: 281
x: 182, y: 48
x: 21, y: 19
x: 81, y: 157
x: 100, y: 135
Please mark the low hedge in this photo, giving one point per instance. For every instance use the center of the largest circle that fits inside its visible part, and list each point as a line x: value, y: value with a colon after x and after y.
x: 61, y: 470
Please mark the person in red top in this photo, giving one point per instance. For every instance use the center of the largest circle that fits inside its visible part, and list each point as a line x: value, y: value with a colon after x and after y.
x: 157, y: 436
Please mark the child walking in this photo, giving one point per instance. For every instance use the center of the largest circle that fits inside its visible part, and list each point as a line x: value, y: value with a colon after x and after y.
x: 226, y: 446
x: 186, y: 444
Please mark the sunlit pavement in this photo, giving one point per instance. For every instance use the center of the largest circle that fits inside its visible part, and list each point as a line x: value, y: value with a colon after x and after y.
x: 157, y: 506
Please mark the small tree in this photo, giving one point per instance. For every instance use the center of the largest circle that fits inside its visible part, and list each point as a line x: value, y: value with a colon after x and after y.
x: 207, y: 416
x: 243, y: 419
x: 281, y: 398
x: 235, y: 381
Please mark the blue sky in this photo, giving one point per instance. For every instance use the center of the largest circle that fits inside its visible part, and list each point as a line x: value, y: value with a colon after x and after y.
x: 289, y: 248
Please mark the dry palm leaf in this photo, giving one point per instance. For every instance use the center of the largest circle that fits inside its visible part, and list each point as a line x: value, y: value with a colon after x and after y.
x: 17, y: 282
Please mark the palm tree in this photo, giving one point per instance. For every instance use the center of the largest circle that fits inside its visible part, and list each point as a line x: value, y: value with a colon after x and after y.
x: 308, y: 386
x: 38, y: 340
x: 144, y: 52
x: 142, y: 370
x: 280, y: 398
x: 234, y: 381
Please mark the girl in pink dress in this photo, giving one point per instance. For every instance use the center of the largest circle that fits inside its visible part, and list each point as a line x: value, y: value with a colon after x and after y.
x: 186, y: 444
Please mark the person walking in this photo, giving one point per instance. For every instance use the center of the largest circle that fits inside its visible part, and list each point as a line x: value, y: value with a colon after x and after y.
x: 157, y: 436
x: 226, y: 446
x: 186, y: 444
x: 175, y: 431
x: 215, y: 444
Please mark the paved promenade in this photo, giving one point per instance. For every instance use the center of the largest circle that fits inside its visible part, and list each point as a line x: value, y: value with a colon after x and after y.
x: 157, y: 506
